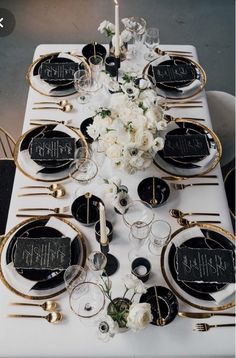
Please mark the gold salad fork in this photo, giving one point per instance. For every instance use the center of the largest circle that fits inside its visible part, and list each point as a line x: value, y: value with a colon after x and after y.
x: 64, y: 209
x: 204, y: 327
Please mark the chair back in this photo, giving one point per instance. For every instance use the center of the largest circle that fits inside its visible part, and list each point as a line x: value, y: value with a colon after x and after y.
x: 7, y: 144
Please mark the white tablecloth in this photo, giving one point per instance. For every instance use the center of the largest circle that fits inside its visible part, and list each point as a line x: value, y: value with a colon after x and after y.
x: 70, y: 338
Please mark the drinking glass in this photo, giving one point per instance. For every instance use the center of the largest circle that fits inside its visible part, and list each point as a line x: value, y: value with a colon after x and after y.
x: 139, y: 212
x: 151, y: 41
x: 137, y: 27
x: 83, y: 171
x: 96, y: 262
x: 74, y: 275
x: 87, y: 301
x: 96, y: 63
x: 139, y: 232
x: 159, y: 236
x: 86, y: 86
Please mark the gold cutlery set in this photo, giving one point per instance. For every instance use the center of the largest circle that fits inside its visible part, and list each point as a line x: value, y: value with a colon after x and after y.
x: 63, y: 106
x: 179, y: 215
x: 173, y: 52
x: 55, y: 190
x: 53, y: 316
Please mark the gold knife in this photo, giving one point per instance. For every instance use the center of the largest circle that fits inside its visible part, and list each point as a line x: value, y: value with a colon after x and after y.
x: 204, y: 314
x: 49, y: 215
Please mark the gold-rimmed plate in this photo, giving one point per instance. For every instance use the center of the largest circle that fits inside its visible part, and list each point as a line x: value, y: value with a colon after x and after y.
x: 186, y: 168
x: 56, y: 89
x: 39, y: 173
x: 181, y: 89
x: 203, y: 296
x: 54, y: 285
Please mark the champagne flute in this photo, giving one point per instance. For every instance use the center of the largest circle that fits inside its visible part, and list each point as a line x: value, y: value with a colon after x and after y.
x: 151, y: 41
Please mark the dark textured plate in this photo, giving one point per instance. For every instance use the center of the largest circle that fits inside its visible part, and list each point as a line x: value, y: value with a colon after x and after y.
x: 195, y: 289
x: 83, y: 128
x: 37, y: 228
x: 168, y: 303
x: 145, y: 190
x: 79, y: 209
x: 47, y: 131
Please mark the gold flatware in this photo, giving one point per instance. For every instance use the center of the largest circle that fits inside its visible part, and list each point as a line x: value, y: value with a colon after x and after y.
x: 46, y: 216
x: 33, y: 121
x: 170, y: 118
x: 169, y: 101
x: 204, y: 327
x: 62, y: 103
x: 177, y: 214
x: 183, y: 186
x: 204, y: 314
x: 66, y: 108
x: 153, y: 201
x: 178, y: 178
x: 172, y: 52
x: 160, y: 321
x: 56, y: 194
x: 52, y: 187
x: 53, y: 317
x: 167, y: 108
x: 49, y: 306
x: 187, y: 223
x: 88, y: 196
x: 62, y: 210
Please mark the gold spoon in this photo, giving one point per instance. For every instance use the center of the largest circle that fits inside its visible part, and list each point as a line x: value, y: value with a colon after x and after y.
x: 46, y: 306
x: 56, y: 194
x: 153, y: 201
x: 88, y: 196
x: 53, y: 317
x: 66, y: 108
x: 187, y: 223
x: 176, y: 53
x: 52, y: 187
x: 62, y: 103
x: 160, y: 321
x: 176, y: 213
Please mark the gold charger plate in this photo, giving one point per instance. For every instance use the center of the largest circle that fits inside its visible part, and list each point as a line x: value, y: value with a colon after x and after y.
x: 180, y: 293
x: 43, y: 177
x: 10, y: 234
x: 184, y: 172
x: 198, y: 68
x: 29, y: 75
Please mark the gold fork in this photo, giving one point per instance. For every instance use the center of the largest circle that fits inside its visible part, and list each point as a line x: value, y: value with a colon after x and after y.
x: 64, y: 209
x: 204, y: 327
x: 183, y: 186
x: 185, y: 105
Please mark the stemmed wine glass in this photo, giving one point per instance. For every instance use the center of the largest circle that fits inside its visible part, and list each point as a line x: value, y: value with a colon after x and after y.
x: 85, y: 85
x: 139, y: 232
x: 151, y: 41
x: 137, y: 27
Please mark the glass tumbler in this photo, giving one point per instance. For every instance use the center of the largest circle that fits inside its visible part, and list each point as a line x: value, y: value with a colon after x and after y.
x: 159, y: 236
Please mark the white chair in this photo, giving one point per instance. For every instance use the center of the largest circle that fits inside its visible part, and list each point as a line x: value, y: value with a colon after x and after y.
x: 222, y: 111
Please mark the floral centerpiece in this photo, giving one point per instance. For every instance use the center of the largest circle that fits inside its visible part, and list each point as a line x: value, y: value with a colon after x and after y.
x: 129, y: 129
x: 122, y: 312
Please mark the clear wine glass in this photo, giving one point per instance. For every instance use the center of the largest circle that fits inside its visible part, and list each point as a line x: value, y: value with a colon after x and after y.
x: 85, y: 85
x: 96, y: 262
x: 74, y: 275
x: 151, y: 41
x: 138, y: 211
x: 139, y: 232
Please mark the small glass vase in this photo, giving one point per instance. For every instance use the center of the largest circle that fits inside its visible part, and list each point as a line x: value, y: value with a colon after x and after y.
x: 123, y: 50
x: 118, y: 309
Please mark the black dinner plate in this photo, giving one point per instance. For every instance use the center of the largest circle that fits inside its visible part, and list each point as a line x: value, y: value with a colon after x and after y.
x: 175, y: 85
x: 145, y: 190
x: 83, y: 128
x: 196, y: 289
x: 55, y: 278
x: 47, y: 131
x: 168, y: 303
x: 79, y: 209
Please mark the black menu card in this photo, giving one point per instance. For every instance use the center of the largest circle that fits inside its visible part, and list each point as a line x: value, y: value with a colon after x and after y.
x: 205, y: 265
x: 42, y: 253
x: 52, y: 148
x: 58, y: 71
x: 185, y: 145
x: 175, y: 72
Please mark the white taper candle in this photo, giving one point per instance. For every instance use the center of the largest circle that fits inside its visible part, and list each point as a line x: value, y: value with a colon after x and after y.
x: 103, y: 228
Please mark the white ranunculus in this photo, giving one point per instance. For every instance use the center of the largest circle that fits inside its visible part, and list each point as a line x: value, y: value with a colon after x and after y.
x: 125, y: 36
x: 130, y: 90
x: 114, y: 151
x: 131, y: 281
x: 107, y: 328
x: 106, y: 25
x: 110, y: 137
x: 143, y: 139
x: 158, y: 144
x: 148, y: 97
x: 139, y: 316
x: 143, y: 83
x: 161, y: 125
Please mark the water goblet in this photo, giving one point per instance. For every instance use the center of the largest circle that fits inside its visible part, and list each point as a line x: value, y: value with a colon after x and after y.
x: 138, y: 211
x: 151, y: 41
x: 159, y: 236
x: 137, y: 27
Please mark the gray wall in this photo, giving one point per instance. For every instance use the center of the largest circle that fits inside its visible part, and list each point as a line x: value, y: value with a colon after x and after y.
x: 207, y: 24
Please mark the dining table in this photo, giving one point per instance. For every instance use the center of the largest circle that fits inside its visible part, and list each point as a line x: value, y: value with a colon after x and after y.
x: 72, y: 337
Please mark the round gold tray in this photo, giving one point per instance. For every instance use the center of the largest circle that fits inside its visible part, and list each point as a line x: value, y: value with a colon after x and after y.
x: 7, y: 237
x: 77, y: 58
x: 23, y: 170
x: 195, y: 64
x: 215, y: 228
x: 214, y: 162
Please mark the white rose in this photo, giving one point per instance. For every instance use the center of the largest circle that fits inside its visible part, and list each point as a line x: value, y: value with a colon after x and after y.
x: 114, y: 151
x: 131, y: 281
x: 125, y: 36
x: 143, y: 139
x: 143, y: 83
x: 105, y: 27
x: 139, y: 316
x: 158, y: 144
x: 161, y: 125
